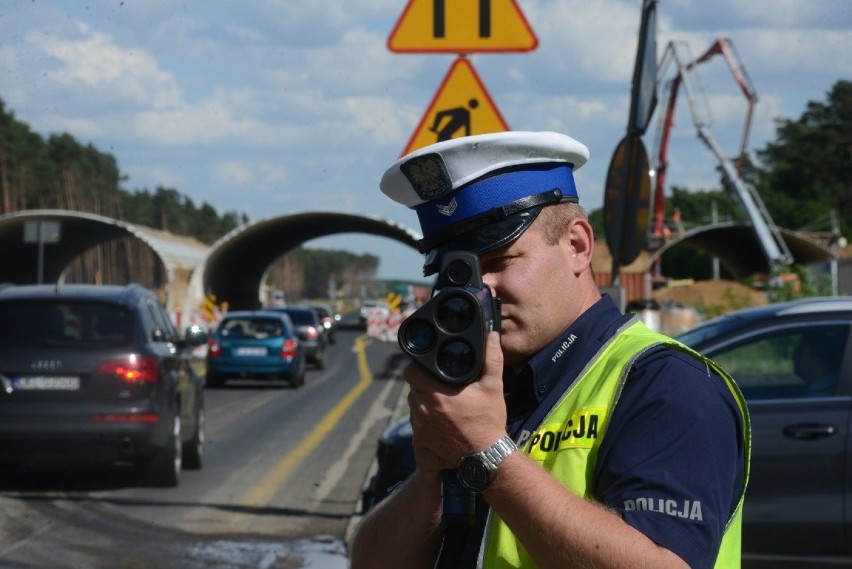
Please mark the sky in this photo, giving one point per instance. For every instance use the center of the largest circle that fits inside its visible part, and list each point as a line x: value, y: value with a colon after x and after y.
x: 276, y: 107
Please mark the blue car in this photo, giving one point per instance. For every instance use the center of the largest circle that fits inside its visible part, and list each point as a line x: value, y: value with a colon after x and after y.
x: 255, y: 345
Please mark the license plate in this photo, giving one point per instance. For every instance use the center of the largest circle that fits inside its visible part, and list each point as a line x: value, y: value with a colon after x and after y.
x: 251, y: 351
x: 47, y: 383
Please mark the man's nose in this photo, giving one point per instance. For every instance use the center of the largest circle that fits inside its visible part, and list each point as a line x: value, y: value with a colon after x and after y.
x: 490, y: 279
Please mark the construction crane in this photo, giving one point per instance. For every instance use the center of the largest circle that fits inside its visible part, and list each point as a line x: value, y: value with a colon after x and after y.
x: 775, y: 249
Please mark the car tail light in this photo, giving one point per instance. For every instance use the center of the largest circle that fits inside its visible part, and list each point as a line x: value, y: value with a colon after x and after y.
x: 213, y: 348
x: 125, y: 418
x: 313, y: 333
x: 133, y: 369
x: 288, y: 350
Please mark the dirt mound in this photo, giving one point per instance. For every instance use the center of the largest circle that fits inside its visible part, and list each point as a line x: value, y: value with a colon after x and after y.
x: 711, y: 297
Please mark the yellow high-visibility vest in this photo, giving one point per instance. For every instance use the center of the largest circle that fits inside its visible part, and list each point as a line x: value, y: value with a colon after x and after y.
x: 568, y: 440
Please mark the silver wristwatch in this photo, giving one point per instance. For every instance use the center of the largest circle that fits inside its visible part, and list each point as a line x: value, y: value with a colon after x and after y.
x: 477, y: 470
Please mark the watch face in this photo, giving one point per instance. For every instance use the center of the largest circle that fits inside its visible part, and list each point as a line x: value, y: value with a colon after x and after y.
x: 474, y: 475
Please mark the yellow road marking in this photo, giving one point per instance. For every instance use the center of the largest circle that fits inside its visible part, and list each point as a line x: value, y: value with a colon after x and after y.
x: 261, y: 494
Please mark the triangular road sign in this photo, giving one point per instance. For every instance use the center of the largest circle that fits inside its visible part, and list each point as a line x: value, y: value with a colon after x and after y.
x: 461, y: 107
x: 461, y: 26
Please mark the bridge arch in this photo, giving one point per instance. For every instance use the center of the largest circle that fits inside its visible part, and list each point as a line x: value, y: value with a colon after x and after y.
x: 738, y: 249
x: 235, y: 268
x: 81, y: 231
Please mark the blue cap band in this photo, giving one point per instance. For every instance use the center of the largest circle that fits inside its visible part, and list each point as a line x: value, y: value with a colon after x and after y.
x: 494, y: 192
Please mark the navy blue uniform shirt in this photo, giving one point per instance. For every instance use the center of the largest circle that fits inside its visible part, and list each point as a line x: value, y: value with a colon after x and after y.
x: 671, y: 462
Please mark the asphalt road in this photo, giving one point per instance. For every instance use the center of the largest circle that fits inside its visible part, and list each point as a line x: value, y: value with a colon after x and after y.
x: 281, y: 481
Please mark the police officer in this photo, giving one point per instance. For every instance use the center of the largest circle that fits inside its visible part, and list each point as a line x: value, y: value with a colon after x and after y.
x: 589, y: 440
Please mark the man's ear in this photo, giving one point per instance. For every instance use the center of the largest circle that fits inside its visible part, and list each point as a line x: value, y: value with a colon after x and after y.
x: 581, y: 239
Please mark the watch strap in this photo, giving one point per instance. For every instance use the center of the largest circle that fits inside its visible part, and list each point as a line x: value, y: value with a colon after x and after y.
x: 497, y: 452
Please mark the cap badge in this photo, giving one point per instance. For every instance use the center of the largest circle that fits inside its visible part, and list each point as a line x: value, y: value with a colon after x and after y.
x: 448, y: 209
x: 428, y: 176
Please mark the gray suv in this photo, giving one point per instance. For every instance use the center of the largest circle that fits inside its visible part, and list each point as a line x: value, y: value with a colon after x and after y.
x: 793, y: 363
x: 97, y: 374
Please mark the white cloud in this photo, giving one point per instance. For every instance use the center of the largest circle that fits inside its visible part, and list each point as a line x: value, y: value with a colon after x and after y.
x: 151, y: 176
x: 797, y: 51
x: 779, y: 13
x: 82, y: 128
x: 572, y: 33
x: 231, y: 172
x: 382, y: 120
x: 93, y: 62
x: 205, y: 123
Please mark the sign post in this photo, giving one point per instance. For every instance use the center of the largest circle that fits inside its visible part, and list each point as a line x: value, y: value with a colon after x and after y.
x: 41, y: 232
x: 627, y: 198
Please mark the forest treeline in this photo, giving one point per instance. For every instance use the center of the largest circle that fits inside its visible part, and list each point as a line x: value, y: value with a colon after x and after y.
x: 60, y: 173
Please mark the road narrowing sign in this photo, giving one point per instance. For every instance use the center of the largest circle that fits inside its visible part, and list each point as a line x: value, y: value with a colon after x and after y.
x: 461, y: 107
x: 462, y: 26
x: 394, y: 302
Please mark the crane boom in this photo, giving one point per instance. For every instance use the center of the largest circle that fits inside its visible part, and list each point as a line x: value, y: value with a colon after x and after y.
x: 773, y: 245
x: 725, y: 48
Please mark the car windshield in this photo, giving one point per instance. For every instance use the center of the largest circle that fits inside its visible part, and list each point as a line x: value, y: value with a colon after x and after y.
x: 302, y: 317
x: 66, y: 323
x: 257, y: 328
x: 713, y: 329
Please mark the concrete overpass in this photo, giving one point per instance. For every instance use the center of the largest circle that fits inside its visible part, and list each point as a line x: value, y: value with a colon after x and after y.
x: 78, y: 232
x: 237, y: 264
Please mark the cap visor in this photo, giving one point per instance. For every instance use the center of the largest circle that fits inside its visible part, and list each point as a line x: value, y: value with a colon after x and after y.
x: 483, y: 240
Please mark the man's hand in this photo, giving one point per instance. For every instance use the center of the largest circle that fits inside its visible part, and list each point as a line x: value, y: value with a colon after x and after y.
x: 449, y: 421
